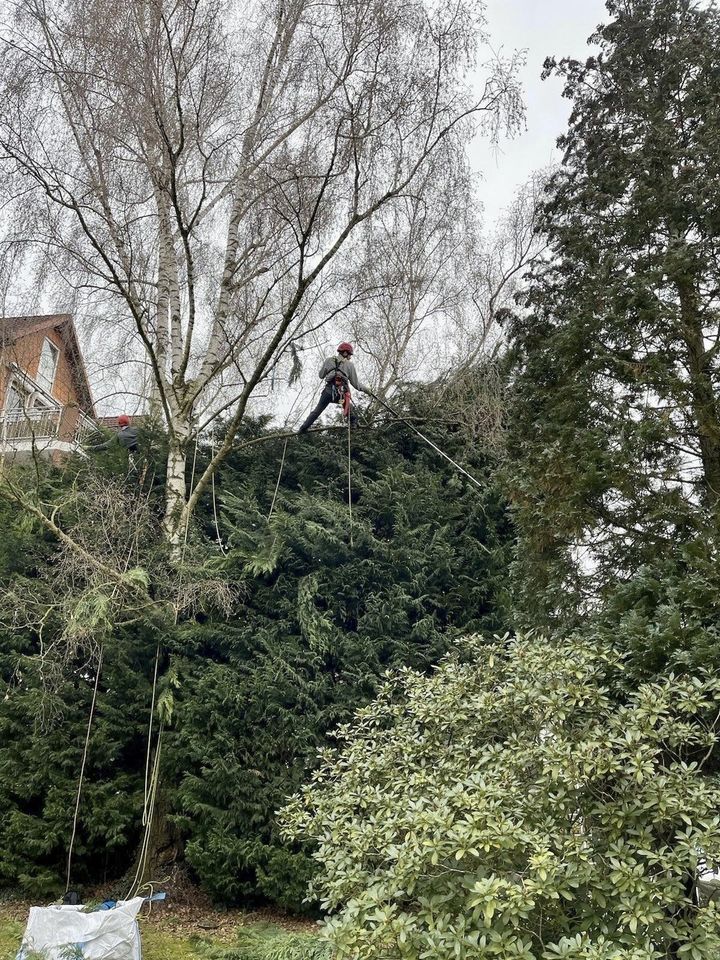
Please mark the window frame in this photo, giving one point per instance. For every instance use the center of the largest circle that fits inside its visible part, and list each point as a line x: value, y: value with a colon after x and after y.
x: 47, y: 387
x: 34, y: 397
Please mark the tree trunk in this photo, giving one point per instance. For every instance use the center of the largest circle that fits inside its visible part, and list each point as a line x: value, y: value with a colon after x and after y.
x: 704, y: 404
x: 163, y: 845
x: 175, y: 492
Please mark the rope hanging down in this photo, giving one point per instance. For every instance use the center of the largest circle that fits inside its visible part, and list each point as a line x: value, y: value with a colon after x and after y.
x: 152, y: 781
x: 349, y: 483
x: 86, y: 746
x: 218, y: 536
x: 82, y: 768
x: 146, y: 792
x: 277, y: 485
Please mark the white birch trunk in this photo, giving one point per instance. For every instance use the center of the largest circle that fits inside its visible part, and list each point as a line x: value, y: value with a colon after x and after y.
x: 175, y: 521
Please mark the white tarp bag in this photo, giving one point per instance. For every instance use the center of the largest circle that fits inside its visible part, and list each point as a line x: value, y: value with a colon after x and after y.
x: 68, y: 933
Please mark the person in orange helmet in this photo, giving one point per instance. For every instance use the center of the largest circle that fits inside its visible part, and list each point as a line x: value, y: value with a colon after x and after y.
x: 337, y: 372
x: 126, y: 436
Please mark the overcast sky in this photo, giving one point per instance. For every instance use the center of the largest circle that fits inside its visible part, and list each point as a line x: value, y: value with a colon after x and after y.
x: 543, y: 28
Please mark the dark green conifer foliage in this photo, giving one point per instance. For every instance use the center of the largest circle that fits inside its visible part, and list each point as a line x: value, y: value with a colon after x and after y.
x: 615, y: 428
x: 248, y: 698
x: 319, y: 623
x: 42, y: 736
x: 667, y: 615
x: 44, y: 710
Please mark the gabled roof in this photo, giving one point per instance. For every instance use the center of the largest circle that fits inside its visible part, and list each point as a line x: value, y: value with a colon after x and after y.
x: 13, y: 329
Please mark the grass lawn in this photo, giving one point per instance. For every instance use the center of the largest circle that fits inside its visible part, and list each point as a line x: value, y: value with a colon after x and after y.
x: 163, y: 939
x: 10, y: 936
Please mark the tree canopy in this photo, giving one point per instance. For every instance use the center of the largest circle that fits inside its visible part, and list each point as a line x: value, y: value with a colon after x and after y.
x: 614, y: 420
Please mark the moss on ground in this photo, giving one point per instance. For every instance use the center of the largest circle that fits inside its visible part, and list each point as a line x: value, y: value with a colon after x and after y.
x: 269, y: 942
x: 159, y: 944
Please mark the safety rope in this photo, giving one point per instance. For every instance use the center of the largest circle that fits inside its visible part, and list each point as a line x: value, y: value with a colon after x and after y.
x: 279, y: 478
x: 218, y: 537
x: 149, y: 738
x: 86, y: 746
x: 430, y: 443
x: 349, y: 480
x: 285, y: 446
x: 82, y: 768
x: 145, y: 846
x: 150, y: 793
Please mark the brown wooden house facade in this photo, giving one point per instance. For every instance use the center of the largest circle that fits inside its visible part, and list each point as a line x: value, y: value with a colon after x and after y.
x: 45, y: 402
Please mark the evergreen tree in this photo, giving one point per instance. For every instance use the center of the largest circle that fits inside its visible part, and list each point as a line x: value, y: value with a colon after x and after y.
x: 265, y: 648
x: 322, y: 617
x: 615, y: 430
x: 54, y: 619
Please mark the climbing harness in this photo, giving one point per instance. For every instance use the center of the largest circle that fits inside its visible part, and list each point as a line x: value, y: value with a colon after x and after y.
x: 341, y: 391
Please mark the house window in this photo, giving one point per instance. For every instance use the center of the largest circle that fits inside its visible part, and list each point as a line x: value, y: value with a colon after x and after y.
x: 15, y: 400
x: 47, y: 365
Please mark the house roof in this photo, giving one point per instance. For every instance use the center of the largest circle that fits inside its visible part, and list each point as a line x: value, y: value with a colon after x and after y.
x: 13, y: 329
x: 112, y: 422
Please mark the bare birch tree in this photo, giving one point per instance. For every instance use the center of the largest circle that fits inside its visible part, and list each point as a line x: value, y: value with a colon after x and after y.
x: 471, y: 389
x: 433, y: 288
x: 199, y: 169
x: 414, y: 274
x: 504, y: 256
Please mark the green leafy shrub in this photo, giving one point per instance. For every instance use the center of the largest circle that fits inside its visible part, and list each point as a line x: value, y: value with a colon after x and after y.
x: 511, y: 805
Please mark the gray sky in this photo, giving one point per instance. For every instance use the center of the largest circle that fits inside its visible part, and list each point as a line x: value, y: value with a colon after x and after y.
x: 543, y: 28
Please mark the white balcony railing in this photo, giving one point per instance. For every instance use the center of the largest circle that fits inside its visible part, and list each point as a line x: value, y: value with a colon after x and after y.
x: 41, y: 424
x: 30, y: 424
x: 84, y: 428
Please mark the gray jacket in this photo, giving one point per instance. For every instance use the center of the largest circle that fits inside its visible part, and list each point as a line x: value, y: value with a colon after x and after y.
x: 346, y: 368
x: 126, y: 436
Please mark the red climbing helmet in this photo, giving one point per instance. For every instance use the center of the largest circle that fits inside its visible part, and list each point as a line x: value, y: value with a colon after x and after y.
x: 345, y: 348
x: 123, y: 420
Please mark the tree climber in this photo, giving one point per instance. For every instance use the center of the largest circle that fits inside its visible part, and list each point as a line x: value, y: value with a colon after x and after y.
x: 126, y: 436
x: 337, y: 372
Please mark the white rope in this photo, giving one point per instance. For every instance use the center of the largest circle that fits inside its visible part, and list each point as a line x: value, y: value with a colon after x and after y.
x: 82, y: 768
x: 146, y: 792
x: 151, y: 793
x: 442, y: 453
x: 279, y: 477
x: 81, y: 778
x: 144, y: 849
x: 429, y: 442
x: 214, y: 500
x: 349, y: 481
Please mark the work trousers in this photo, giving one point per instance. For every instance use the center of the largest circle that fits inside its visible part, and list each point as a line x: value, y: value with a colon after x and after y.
x: 326, y: 398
